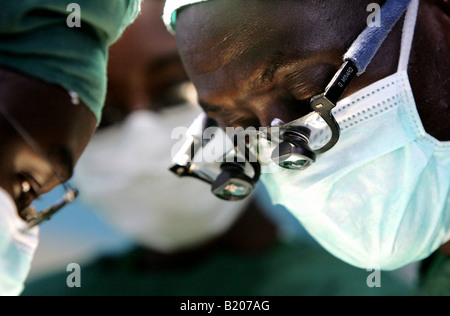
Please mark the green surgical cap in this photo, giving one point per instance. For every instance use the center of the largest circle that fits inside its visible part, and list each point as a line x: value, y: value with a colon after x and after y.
x: 35, y: 39
x: 170, y: 11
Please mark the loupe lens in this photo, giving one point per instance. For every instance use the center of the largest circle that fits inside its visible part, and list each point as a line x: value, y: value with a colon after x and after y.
x: 233, y: 190
x: 295, y: 162
x: 232, y: 184
x: 294, y: 152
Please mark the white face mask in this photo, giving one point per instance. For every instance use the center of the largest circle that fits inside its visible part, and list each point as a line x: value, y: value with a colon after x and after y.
x: 124, y: 174
x: 17, y: 248
x: 379, y: 198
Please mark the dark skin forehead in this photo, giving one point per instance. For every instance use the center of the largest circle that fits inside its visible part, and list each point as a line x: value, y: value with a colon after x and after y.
x: 246, y: 49
x: 255, y: 60
x: 236, y: 29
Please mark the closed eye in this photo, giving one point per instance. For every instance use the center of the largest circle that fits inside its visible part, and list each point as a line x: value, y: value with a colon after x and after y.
x: 211, y: 108
x: 229, y: 117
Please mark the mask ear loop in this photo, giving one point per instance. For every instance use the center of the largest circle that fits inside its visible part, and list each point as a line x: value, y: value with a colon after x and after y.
x: 370, y: 40
x: 357, y: 59
x: 408, y: 35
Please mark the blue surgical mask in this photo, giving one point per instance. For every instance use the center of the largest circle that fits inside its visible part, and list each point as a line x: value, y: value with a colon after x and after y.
x: 380, y: 197
x: 17, y: 247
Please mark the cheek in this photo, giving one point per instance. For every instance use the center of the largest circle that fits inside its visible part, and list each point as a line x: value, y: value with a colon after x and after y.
x: 28, y: 161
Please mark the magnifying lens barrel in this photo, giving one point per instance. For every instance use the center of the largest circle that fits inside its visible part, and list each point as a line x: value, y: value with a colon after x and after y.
x: 294, y: 152
x: 232, y: 184
x: 223, y: 162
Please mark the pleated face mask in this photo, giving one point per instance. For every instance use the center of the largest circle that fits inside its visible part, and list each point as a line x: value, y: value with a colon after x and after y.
x: 17, y: 248
x: 380, y: 197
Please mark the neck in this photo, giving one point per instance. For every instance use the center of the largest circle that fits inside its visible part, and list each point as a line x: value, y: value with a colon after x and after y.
x: 429, y: 70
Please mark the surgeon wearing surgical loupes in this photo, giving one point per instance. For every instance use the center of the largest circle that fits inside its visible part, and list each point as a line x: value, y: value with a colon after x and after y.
x: 376, y: 193
x: 52, y: 85
x: 187, y: 241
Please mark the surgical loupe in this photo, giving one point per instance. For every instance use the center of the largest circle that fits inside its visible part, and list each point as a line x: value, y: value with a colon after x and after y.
x: 233, y: 167
x: 232, y: 173
x: 294, y: 150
